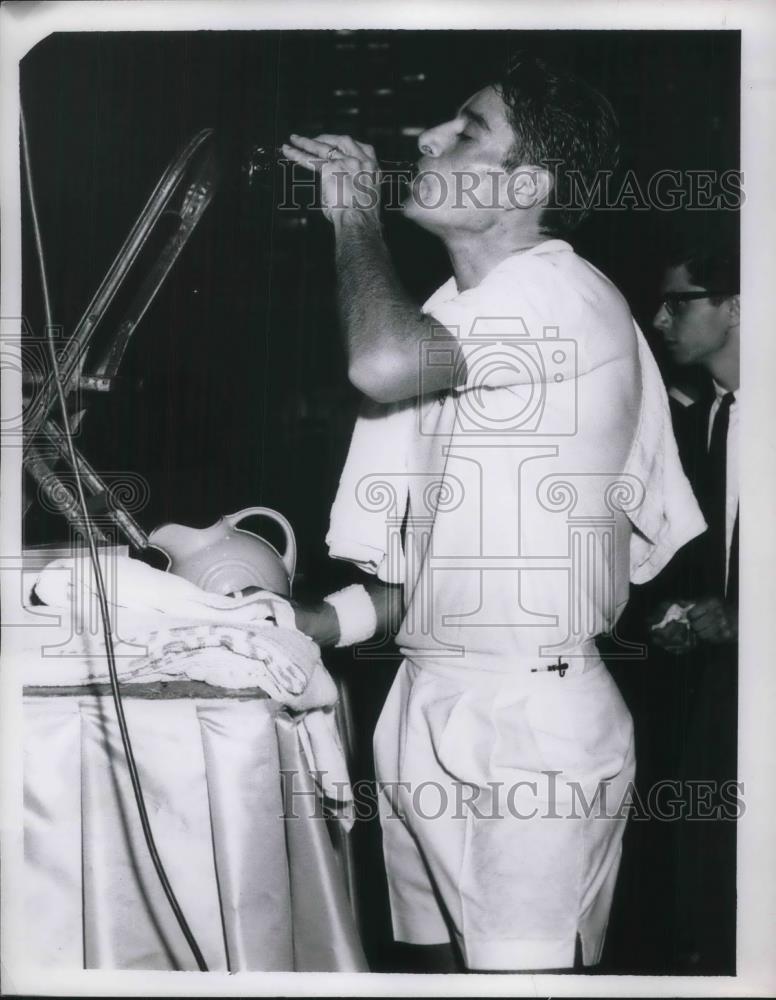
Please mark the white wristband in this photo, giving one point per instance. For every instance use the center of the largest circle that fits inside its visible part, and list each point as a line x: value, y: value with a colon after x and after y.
x: 355, y: 613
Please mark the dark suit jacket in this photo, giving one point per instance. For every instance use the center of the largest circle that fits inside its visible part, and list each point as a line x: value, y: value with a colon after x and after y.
x: 685, y: 712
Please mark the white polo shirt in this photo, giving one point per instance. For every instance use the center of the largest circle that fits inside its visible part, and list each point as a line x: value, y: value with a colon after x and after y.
x: 514, y: 551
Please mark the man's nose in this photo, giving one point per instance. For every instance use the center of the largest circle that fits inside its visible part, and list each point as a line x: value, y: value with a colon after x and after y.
x: 662, y: 319
x: 432, y: 142
x: 426, y: 143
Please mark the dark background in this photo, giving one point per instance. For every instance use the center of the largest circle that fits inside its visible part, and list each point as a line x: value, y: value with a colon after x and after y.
x: 244, y: 398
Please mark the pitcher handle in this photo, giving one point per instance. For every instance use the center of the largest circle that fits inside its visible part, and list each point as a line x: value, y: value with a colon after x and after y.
x: 289, y: 553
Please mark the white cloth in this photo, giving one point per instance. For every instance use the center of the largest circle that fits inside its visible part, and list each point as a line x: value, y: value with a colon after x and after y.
x: 731, y: 463
x: 521, y: 870
x: 132, y: 584
x: 374, y: 487
x: 526, y: 545
x: 372, y: 492
x: 675, y: 613
x: 668, y: 516
x: 166, y: 628
x: 236, y: 819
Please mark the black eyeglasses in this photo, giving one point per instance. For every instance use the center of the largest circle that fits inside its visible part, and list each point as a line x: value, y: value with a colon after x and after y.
x: 672, y: 299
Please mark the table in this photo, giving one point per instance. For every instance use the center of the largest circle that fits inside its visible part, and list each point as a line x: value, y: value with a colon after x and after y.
x: 238, y: 825
x: 259, y: 871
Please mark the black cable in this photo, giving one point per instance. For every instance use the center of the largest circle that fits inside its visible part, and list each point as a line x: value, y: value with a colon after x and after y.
x: 103, y: 601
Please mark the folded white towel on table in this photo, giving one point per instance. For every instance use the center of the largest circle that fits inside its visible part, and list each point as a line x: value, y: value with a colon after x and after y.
x: 184, y: 633
x: 130, y: 583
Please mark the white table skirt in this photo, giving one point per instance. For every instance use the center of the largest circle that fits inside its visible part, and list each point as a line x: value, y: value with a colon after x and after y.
x: 261, y: 890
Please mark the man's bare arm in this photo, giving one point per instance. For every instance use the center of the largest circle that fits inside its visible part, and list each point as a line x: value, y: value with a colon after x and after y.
x: 384, y: 330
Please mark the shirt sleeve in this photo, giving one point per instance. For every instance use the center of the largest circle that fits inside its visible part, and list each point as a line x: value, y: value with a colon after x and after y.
x: 517, y: 327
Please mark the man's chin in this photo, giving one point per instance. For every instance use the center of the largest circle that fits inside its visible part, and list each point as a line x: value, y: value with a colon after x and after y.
x: 422, y: 215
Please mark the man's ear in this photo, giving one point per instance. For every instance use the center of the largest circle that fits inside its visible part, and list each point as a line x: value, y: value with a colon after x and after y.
x: 528, y: 186
x: 734, y: 308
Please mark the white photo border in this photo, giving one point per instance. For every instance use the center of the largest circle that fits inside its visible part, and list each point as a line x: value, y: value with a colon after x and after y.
x: 22, y: 25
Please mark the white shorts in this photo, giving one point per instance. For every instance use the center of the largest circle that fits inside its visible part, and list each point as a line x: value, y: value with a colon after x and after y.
x: 501, y: 805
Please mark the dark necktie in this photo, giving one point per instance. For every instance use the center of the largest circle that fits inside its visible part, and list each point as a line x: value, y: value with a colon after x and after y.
x: 716, y: 497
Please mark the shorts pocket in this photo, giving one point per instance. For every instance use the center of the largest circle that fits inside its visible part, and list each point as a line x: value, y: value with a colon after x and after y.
x: 463, y: 741
x: 582, y: 728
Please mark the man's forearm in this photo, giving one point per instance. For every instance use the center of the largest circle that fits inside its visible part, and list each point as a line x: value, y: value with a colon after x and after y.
x: 383, y: 327
x: 320, y: 622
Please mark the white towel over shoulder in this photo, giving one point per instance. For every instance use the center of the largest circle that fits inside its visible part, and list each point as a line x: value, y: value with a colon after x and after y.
x: 372, y: 495
x: 668, y: 516
x: 373, y: 489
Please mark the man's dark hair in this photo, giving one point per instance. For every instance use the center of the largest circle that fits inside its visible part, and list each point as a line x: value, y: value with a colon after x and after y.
x: 715, y: 266
x: 564, y: 125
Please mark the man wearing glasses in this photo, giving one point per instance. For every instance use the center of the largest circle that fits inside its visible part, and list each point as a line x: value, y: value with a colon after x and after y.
x: 699, y: 320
